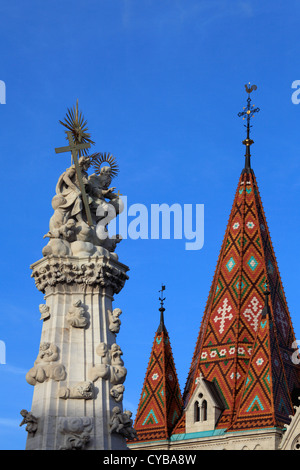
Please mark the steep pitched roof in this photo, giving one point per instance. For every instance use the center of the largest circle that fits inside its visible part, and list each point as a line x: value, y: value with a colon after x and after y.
x: 266, y: 400
x: 161, y: 402
x: 233, y: 311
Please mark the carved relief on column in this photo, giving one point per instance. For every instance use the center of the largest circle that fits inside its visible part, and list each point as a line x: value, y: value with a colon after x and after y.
x: 82, y: 390
x: 44, y: 311
x: 45, y: 367
x: 77, y: 432
x: 117, y: 392
x: 114, y: 321
x: 77, y: 315
x: 111, y: 367
x: 121, y: 423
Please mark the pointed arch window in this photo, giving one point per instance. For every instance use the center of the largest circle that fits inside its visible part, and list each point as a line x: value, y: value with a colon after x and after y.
x: 200, y: 409
x: 196, y: 411
x: 203, y: 410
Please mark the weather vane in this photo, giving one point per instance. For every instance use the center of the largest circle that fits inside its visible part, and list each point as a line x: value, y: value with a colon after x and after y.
x: 79, y: 142
x: 248, y: 113
x: 161, y: 298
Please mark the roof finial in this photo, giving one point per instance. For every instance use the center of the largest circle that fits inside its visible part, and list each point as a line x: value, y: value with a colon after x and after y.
x: 248, y: 113
x: 161, y: 309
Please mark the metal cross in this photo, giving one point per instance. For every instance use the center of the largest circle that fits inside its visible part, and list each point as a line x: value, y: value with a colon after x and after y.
x: 162, y: 298
x: 161, y: 327
x: 74, y: 148
x: 248, y: 113
x: 249, y: 110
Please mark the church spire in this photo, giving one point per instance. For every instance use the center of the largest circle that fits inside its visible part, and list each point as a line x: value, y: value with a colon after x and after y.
x: 248, y: 113
x: 161, y: 403
x: 237, y: 301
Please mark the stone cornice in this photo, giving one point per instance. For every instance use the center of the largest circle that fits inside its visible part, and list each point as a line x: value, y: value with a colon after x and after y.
x: 97, y: 272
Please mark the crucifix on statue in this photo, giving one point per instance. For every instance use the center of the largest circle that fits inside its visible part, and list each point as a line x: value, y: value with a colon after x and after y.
x: 74, y: 148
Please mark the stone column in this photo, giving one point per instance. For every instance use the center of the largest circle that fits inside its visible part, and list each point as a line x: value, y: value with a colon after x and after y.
x: 78, y: 375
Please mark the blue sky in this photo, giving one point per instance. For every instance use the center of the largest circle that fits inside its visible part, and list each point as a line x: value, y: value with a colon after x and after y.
x: 160, y: 83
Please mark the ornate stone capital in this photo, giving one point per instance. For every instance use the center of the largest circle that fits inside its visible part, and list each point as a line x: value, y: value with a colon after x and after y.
x: 98, y: 271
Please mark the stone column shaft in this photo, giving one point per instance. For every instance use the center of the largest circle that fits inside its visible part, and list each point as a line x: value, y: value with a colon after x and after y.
x: 75, y: 350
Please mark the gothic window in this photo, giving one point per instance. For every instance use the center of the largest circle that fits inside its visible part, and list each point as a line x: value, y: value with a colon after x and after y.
x: 204, y: 410
x: 196, y: 411
x: 200, y: 409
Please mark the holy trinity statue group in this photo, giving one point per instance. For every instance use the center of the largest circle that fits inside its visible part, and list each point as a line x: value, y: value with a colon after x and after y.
x: 84, y: 204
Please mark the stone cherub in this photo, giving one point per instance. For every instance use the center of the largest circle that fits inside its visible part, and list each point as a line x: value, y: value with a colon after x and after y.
x: 117, y: 392
x: 76, y: 315
x: 122, y: 423
x: 44, y: 311
x: 114, y: 320
x: 45, y: 366
x: 48, y: 352
x: 30, y: 420
x: 65, y: 231
x: 111, y: 367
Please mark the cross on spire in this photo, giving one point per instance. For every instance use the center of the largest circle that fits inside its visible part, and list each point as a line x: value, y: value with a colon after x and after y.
x: 161, y: 309
x: 248, y: 113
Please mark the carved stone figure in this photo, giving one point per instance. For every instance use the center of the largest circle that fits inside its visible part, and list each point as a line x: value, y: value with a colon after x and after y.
x: 102, y: 351
x: 111, y: 367
x: 78, y: 276
x: 69, y: 232
x: 30, y: 420
x: 68, y: 187
x: 82, y: 390
x: 115, y: 355
x: 67, y: 425
x: 77, y: 431
x: 75, y: 442
x: 48, y: 353
x: 122, y: 423
x: 66, y: 231
x: 77, y: 316
x: 129, y: 431
x: 116, y: 420
x: 117, y: 392
x: 114, y: 320
x: 43, y: 366
x: 44, y: 311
